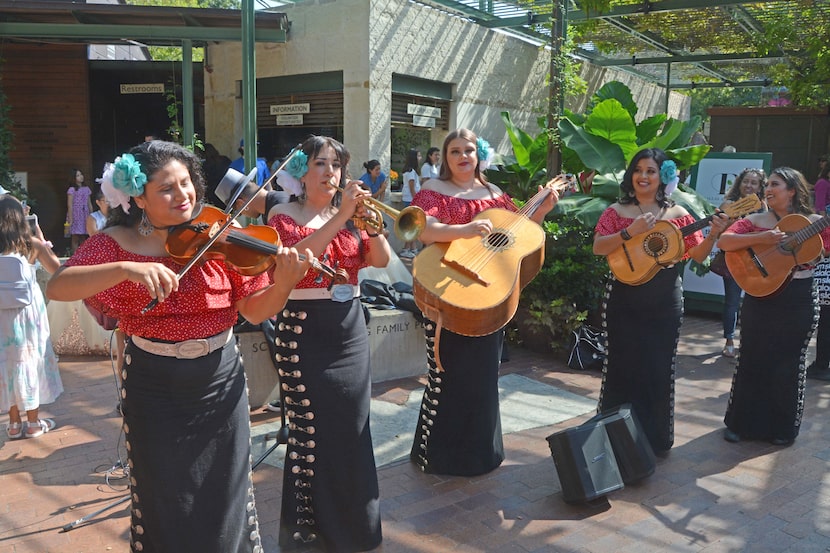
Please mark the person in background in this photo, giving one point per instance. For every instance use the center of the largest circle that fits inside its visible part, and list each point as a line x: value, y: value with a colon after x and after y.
x: 749, y: 181
x: 263, y: 173
x: 376, y: 181
x: 78, y: 207
x: 411, y: 186
x: 822, y: 188
x: 214, y: 165
x: 29, y: 375
x: 330, y: 494
x: 432, y: 166
x: 642, y: 322
x: 96, y: 220
x: 766, y: 401
x: 459, y: 424
x: 184, y: 401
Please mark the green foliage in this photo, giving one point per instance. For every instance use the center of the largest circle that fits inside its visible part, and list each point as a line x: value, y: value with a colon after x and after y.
x: 569, y: 286
x: 604, y: 140
x: 519, y: 175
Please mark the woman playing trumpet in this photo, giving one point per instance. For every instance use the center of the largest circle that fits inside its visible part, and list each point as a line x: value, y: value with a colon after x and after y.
x: 329, y: 498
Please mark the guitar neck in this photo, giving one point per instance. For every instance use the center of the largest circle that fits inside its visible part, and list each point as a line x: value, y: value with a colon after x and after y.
x: 533, y: 203
x: 691, y: 228
x: 811, y: 230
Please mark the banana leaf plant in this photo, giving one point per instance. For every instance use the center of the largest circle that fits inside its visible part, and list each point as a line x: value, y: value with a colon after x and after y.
x: 602, y: 141
x: 520, y: 174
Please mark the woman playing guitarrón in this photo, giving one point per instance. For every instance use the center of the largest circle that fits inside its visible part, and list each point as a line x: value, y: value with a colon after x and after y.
x: 459, y: 426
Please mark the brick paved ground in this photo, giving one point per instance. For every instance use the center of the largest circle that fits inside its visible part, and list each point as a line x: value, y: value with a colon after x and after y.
x: 706, y: 496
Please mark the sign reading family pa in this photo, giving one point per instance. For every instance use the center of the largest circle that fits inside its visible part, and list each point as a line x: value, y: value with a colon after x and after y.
x: 290, y: 109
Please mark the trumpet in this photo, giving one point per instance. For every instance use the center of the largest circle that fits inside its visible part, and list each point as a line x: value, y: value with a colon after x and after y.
x: 409, y: 222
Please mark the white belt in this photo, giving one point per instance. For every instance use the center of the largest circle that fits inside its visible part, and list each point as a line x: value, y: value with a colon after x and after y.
x: 189, y: 349
x: 802, y: 273
x: 338, y: 292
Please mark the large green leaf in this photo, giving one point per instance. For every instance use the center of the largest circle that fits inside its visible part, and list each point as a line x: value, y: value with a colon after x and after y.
x: 671, y: 130
x: 595, y: 152
x: 520, y: 140
x: 689, y: 128
x: 607, y: 185
x: 689, y: 156
x: 694, y: 203
x: 586, y: 209
x: 648, y: 128
x: 610, y: 120
x: 617, y: 91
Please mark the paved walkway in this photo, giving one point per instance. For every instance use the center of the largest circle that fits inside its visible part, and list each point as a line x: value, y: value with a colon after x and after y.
x: 706, y: 496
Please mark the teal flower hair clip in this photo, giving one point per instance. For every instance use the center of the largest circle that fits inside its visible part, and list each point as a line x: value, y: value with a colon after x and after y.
x: 298, y: 166
x: 484, y: 153
x: 669, y: 176
x: 127, y: 175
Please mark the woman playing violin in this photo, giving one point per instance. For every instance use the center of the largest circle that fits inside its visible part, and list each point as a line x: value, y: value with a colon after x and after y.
x: 767, y: 397
x: 643, y: 375
x: 183, y: 387
x: 330, y: 486
x: 459, y: 426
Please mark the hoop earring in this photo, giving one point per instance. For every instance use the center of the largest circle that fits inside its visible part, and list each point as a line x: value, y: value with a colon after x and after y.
x: 145, y: 227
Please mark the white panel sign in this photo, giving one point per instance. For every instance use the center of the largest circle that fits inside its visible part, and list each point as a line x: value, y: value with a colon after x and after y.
x: 289, y: 119
x: 286, y: 109
x: 146, y: 88
x: 420, y: 121
x: 427, y: 111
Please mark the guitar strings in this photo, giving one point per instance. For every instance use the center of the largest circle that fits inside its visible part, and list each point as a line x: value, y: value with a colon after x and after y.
x: 476, y: 259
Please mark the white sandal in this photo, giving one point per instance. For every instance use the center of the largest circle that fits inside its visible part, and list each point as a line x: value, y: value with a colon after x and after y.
x: 43, y: 426
x: 14, y: 430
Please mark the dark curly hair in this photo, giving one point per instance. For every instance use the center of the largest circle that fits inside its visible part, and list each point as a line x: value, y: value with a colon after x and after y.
x: 734, y: 192
x: 794, y: 180
x: 153, y: 156
x: 627, y: 185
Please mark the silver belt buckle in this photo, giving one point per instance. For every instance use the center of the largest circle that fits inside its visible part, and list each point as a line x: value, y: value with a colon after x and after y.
x: 191, y: 349
x: 342, y: 292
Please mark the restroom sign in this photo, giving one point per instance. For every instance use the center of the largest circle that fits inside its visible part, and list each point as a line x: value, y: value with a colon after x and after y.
x: 142, y: 88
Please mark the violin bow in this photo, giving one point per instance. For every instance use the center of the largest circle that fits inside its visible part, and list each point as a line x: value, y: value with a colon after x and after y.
x: 232, y: 217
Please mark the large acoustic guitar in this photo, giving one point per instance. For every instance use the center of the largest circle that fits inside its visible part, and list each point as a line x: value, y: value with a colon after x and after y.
x: 471, y: 286
x: 637, y: 260
x: 762, y: 271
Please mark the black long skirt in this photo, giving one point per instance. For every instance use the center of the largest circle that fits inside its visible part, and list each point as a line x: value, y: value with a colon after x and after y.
x: 330, y: 497
x: 459, y: 424
x: 767, y: 397
x: 643, y: 327
x: 188, y: 441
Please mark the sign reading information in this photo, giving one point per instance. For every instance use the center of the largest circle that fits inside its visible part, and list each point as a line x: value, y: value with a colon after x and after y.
x: 287, y: 109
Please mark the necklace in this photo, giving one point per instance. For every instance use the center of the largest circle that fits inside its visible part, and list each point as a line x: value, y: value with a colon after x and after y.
x: 649, y: 211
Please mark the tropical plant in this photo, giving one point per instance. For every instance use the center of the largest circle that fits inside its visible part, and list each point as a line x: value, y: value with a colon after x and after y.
x: 602, y: 142
x: 520, y: 174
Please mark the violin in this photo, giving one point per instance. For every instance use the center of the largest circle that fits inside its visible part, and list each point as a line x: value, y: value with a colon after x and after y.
x: 248, y: 250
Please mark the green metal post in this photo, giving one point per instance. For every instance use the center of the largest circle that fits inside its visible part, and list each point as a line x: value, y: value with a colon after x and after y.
x: 188, y: 126
x: 249, y: 84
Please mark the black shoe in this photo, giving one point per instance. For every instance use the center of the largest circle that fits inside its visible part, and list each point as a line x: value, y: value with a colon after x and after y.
x: 781, y: 441
x: 731, y: 436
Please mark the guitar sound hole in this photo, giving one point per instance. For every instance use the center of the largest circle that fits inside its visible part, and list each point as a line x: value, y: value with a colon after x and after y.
x: 498, y: 240
x: 655, y: 245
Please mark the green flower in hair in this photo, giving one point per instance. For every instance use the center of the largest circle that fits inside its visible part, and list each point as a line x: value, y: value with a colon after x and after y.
x: 127, y: 176
x: 298, y: 166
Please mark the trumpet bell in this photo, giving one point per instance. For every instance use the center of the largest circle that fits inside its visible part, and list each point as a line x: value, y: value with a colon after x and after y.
x: 410, y: 223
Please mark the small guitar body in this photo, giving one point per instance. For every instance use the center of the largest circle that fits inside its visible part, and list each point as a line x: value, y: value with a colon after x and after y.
x: 473, y: 284
x: 639, y: 259
x: 764, y: 270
